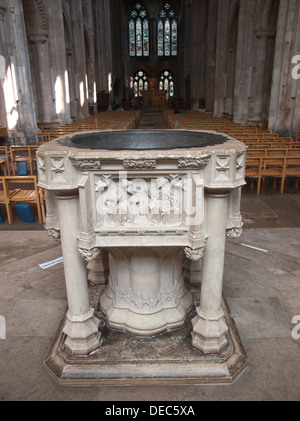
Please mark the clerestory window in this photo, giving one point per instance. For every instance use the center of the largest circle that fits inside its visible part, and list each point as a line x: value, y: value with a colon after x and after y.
x: 167, y: 32
x: 139, y: 45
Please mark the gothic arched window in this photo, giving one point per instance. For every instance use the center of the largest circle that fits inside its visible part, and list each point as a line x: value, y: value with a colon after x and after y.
x: 166, y: 83
x: 140, y: 83
x: 138, y: 32
x: 167, y: 32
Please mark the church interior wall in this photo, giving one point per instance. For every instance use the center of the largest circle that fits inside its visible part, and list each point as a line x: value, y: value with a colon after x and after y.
x: 234, y: 57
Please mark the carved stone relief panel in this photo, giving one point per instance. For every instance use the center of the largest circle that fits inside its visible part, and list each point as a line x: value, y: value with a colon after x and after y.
x: 41, y: 167
x: 139, y: 202
x: 240, y: 165
x: 58, y: 170
x: 222, y: 168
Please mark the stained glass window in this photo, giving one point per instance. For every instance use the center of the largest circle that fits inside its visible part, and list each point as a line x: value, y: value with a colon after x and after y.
x: 174, y: 38
x: 167, y: 32
x: 132, y: 37
x: 166, y: 82
x: 140, y: 83
x: 167, y: 37
x: 160, y: 38
x: 146, y: 37
x: 139, y: 38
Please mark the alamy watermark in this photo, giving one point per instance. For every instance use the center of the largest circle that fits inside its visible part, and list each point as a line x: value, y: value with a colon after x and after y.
x: 160, y: 200
x: 296, y: 69
x: 2, y: 327
x: 296, y: 329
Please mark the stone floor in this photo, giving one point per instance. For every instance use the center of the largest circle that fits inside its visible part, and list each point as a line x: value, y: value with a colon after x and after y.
x: 261, y: 288
x: 151, y: 119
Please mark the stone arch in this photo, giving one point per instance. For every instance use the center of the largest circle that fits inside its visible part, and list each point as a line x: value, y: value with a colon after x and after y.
x: 67, y: 31
x: 267, y: 13
x: 35, y: 16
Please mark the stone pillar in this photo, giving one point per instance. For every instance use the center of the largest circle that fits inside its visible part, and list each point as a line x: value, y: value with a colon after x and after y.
x: 58, y: 59
x: 45, y: 94
x: 234, y: 218
x: 51, y: 222
x: 3, y: 121
x: 90, y: 59
x: 103, y: 46
x: 17, y: 105
x: 285, y: 96
x: 262, y: 35
x: 81, y: 325
x: 79, y: 57
x: 197, y: 53
x: 209, y: 326
x: 245, y: 61
x: 211, y: 55
x: 72, y: 87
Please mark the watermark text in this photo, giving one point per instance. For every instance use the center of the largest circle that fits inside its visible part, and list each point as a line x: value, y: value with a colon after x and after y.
x: 296, y: 329
x: 296, y: 69
x: 2, y: 327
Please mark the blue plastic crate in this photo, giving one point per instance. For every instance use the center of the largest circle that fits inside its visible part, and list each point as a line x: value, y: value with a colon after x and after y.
x: 22, y: 168
x: 24, y: 212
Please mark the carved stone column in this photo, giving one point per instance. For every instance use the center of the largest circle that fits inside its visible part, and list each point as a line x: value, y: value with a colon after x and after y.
x: 197, y: 67
x: 45, y: 95
x: 103, y: 46
x: 72, y: 86
x: 209, y: 326
x: 3, y: 69
x: 81, y: 327
x: 79, y: 57
x: 262, y: 36
x: 98, y: 269
x: 17, y: 103
x: 235, y: 221
x: 285, y: 91
x: 57, y: 50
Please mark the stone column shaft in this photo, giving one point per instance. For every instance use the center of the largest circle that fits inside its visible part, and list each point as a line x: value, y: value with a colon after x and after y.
x: 45, y: 96
x: 57, y: 52
x: 2, y: 76
x: 209, y: 326
x: 81, y: 326
x: 79, y: 57
x: 103, y: 46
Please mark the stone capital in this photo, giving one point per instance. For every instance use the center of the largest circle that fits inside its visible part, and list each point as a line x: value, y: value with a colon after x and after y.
x: 234, y: 232
x: 89, y: 255
x: 194, y: 254
x: 53, y: 234
x: 38, y: 38
x: 264, y: 34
